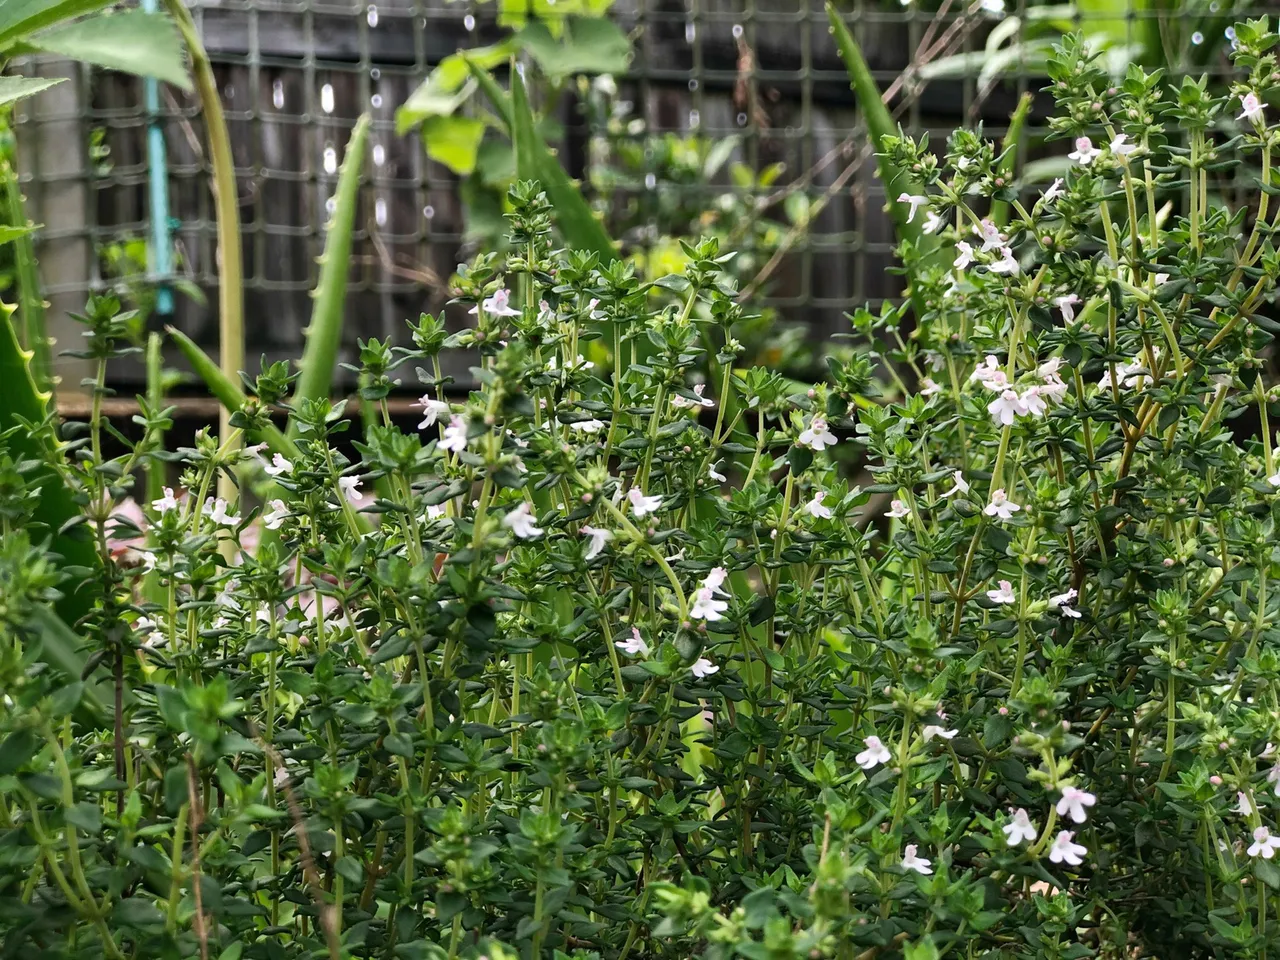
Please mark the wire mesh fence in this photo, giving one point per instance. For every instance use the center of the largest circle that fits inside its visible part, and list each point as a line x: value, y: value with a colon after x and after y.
x: 760, y: 77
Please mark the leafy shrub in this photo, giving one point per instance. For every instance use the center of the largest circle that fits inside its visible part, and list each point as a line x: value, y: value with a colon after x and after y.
x: 615, y: 663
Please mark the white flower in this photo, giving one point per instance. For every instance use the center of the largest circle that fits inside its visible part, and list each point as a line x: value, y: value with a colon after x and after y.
x: 1002, y: 595
x: 1020, y: 829
x: 928, y: 388
x: 640, y: 504
x: 1064, y: 850
x: 909, y: 859
x: 993, y: 6
x: 1243, y: 806
x: 715, y: 474
x: 1060, y: 602
x: 1274, y: 480
x: 703, y: 668
x: 1252, y: 107
x: 989, y: 374
x: 1067, y: 306
x: 1121, y: 146
x: 964, y: 255
x: 1005, y: 408
x: 814, y: 507
x: 150, y: 629
x: 897, y: 510
x: 1273, y: 775
x: 587, y: 426
x: 1264, y: 844
x: 817, y: 436
x: 1001, y: 506
x: 679, y: 401
x: 278, y: 465
x: 706, y: 606
x: 499, y: 305
x: 432, y: 410
x: 216, y: 510
x: 990, y: 234
x: 1073, y: 803
x: 1007, y: 263
x: 714, y: 580
x: 455, y: 434
x: 961, y: 485
x: 350, y: 487
x: 1085, y: 152
x: 434, y: 511
x: 276, y: 516
x: 166, y: 503
x: 875, y: 754
x: 1054, y: 192
x: 915, y: 201
x: 599, y: 537
x: 1160, y: 279
x: 635, y: 647
x: 932, y: 223
x: 932, y: 730
x: 520, y: 522
x: 1033, y: 403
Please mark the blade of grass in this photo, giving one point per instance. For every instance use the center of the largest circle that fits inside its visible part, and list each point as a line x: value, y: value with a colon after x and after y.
x: 324, y: 334
x: 880, y: 126
x: 1009, y: 154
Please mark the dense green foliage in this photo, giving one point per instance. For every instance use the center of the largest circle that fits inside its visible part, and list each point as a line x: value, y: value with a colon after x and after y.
x: 611, y: 659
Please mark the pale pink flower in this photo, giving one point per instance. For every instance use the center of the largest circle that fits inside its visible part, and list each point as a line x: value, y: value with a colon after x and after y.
x: 910, y: 861
x: 1085, y: 152
x: 1064, y: 850
x: 875, y: 753
x: 1003, y: 595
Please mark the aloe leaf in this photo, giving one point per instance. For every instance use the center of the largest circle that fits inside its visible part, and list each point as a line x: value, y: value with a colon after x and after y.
x: 30, y: 299
x: 22, y: 403
x: 880, y: 127
x: 324, y: 334
x: 228, y: 393
x: 1009, y: 154
x: 535, y: 161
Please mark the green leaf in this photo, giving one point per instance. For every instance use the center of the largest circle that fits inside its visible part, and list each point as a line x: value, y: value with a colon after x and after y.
x: 324, y: 334
x: 146, y: 44
x: 137, y: 912
x: 19, y: 18
x: 453, y: 141
x: 589, y: 46
x: 449, y: 85
x: 534, y: 161
x: 880, y: 126
x: 9, y: 234
x: 15, y: 88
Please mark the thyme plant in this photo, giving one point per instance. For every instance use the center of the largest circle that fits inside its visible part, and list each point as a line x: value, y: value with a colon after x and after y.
x: 969, y: 650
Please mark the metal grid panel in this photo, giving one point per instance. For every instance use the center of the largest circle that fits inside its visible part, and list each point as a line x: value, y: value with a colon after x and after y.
x: 295, y: 75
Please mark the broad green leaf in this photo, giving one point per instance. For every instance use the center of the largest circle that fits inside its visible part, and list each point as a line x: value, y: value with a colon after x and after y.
x: 587, y: 46
x: 453, y: 141
x: 146, y: 44
x: 20, y: 18
x: 449, y: 85
x: 15, y: 88
x: 880, y: 126
x: 324, y: 333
